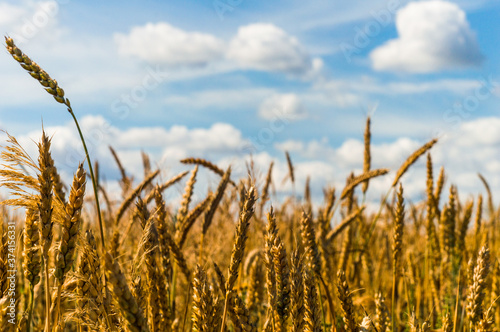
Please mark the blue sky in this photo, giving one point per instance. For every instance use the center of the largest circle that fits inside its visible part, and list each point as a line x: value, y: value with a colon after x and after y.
x: 211, y: 78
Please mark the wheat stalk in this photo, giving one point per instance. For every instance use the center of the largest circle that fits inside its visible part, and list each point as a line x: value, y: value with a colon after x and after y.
x: 57, y: 92
x: 367, y: 154
x: 397, y: 248
x: 239, y: 246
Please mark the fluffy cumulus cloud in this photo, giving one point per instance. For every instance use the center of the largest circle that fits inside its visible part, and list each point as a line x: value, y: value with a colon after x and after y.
x: 282, y: 106
x: 166, y: 44
x: 264, y: 46
x: 432, y: 36
x: 258, y: 46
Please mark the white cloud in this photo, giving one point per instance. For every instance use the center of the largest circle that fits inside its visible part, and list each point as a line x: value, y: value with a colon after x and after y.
x: 165, y: 44
x: 10, y: 13
x: 258, y: 46
x: 433, y: 36
x: 266, y: 47
x: 167, y: 145
x: 287, y: 106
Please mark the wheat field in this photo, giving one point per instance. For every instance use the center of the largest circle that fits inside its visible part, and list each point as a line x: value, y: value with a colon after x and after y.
x: 231, y: 261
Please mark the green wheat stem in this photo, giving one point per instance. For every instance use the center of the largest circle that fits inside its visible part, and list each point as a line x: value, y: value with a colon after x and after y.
x: 91, y: 170
x: 330, y: 301
x: 322, y: 306
x: 30, y: 307
x: 393, y: 304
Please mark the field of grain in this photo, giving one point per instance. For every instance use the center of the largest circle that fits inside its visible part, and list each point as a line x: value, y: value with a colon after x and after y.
x: 233, y: 262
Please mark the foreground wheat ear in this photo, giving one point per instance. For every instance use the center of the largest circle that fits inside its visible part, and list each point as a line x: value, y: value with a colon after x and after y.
x: 57, y: 92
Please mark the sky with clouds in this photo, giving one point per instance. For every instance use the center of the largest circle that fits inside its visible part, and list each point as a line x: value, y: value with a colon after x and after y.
x: 226, y: 79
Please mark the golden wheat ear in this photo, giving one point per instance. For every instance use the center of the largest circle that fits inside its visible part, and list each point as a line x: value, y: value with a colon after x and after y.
x: 312, y: 316
x: 477, y: 288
